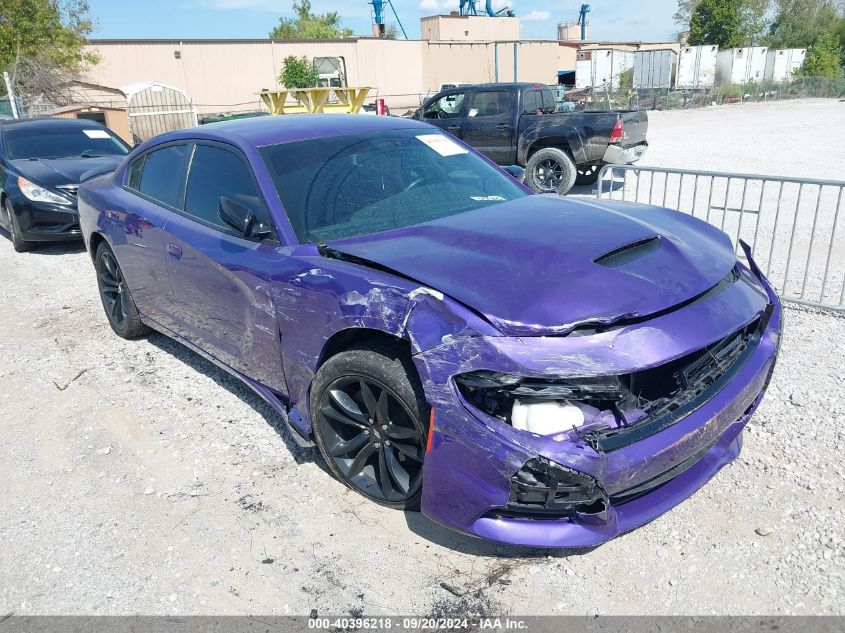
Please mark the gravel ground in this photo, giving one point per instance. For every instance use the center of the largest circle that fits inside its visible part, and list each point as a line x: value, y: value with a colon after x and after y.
x: 137, y: 478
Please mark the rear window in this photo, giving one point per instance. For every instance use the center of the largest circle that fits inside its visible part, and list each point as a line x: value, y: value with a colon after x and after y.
x: 52, y: 142
x: 162, y: 174
x: 538, y: 102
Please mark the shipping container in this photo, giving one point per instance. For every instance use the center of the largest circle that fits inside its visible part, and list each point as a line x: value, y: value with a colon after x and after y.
x: 583, y: 74
x: 697, y: 67
x: 654, y: 69
x: 741, y: 65
x: 602, y: 67
x: 782, y: 64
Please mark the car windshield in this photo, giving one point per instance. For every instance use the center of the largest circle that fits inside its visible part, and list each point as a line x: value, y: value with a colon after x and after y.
x: 356, y: 184
x: 43, y: 142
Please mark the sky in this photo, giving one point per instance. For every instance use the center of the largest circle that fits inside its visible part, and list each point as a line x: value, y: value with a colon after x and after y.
x: 190, y: 19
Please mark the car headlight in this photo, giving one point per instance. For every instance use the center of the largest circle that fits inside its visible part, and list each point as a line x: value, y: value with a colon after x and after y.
x: 545, y: 406
x: 36, y: 193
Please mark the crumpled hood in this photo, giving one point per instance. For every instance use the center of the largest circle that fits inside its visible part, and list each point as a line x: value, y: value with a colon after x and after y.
x: 544, y: 264
x: 65, y: 171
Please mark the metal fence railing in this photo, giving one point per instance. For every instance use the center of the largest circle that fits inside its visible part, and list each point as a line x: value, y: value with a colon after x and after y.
x: 793, y: 225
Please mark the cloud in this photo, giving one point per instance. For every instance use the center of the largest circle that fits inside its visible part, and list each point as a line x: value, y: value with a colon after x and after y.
x: 536, y: 16
x: 438, y: 5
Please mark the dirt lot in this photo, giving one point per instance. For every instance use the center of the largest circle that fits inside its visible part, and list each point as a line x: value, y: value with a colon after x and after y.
x: 137, y: 478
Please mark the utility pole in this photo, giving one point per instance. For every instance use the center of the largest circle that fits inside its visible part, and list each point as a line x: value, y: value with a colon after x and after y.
x: 10, y: 91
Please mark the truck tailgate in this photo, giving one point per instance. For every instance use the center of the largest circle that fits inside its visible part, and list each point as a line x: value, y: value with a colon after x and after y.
x: 636, y: 127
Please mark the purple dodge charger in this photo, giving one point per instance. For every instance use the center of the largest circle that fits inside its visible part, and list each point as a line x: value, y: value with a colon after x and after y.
x: 525, y: 368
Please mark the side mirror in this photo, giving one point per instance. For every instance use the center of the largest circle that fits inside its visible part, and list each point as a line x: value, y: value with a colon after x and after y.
x: 516, y: 172
x: 236, y: 216
x: 418, y: 114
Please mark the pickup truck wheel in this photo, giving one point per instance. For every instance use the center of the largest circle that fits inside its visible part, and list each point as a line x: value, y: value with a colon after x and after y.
x: 587, y: 175
x: 550, y: 170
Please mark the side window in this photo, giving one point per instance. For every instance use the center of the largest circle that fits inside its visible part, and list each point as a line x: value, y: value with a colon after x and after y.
x: 549, y: 104
x: 530, y: 102
x: 163, y: 173
x: 216, y: 173
x: 492, y: 103
x: 446, y: 107
x: 133, y: 174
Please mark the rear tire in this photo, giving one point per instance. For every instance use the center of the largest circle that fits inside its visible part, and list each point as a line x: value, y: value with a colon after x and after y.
x: 587, y: 175
x: 369, y: 417
x: 122, y: 315
x: 18, y: 243
x: 550, y: 170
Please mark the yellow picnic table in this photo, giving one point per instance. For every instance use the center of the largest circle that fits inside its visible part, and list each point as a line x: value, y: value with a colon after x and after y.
x: 314, y: 100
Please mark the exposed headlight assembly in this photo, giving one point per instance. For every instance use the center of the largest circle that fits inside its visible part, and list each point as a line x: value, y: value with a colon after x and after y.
x: 541, y: 406
x: 36, y: 193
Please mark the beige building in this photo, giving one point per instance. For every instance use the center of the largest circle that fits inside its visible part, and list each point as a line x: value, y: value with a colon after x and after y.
x: 469, y: 28
x: 226, y: 75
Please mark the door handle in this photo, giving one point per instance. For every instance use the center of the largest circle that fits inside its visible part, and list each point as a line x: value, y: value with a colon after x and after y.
x: 174, y: 250
x: 504, y: 125
x: 453, y: 128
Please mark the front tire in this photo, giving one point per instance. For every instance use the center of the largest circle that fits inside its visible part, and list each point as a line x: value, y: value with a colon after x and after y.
x: 550, y: 170
x: 368, y: 414
x: 18, y: 243
x: 120, y: 309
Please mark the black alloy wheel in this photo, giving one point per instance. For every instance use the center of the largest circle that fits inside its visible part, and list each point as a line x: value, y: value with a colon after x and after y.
x: 587, y: 175
x: 113, y: 291
x: 548, y: 175
x: 374, y: 443
x: 120, y: 309
x: 18, y: 243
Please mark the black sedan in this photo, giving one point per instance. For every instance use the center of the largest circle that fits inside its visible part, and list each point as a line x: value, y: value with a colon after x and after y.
x: 42, y: 162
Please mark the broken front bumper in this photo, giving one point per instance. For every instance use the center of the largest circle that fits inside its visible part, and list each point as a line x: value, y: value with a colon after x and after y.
x: 473, y: 457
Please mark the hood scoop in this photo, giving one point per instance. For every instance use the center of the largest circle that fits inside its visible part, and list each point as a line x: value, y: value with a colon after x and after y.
x: 630, y: 252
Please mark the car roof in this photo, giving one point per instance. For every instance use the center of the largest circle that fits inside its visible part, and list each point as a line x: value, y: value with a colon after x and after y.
x: 271, y: 130
x: 47, y: 123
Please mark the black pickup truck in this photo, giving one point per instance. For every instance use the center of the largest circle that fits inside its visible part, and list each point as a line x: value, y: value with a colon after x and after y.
x: 518, y: 123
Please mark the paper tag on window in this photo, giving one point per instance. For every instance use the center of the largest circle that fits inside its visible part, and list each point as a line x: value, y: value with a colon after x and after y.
x: 96, y: 133
x: 472, y: 112
x: 443, y: 145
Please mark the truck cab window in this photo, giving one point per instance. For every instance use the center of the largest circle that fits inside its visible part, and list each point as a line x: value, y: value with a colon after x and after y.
x: 446, y: 107
x: 490, y: 103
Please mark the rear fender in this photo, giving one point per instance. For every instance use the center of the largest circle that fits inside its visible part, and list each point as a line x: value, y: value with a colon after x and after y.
x: 564, y: 137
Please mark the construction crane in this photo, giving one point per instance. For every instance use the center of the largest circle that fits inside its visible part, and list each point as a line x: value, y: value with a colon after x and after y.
x: 582, y: 20
x: 468, y: 7
x: 378, y: 16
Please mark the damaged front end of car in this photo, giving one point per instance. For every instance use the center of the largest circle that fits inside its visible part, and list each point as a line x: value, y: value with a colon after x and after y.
x: 568, y: 441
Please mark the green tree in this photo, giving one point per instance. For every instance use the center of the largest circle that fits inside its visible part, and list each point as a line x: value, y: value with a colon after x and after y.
x: 799, y: 23
x: 716, y: 22
x: 745, y: 20
x: 839, y: 34
x: 53, y: 30
x: 309, y: 26
x: 823, y: 58
x: 298, y: 72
